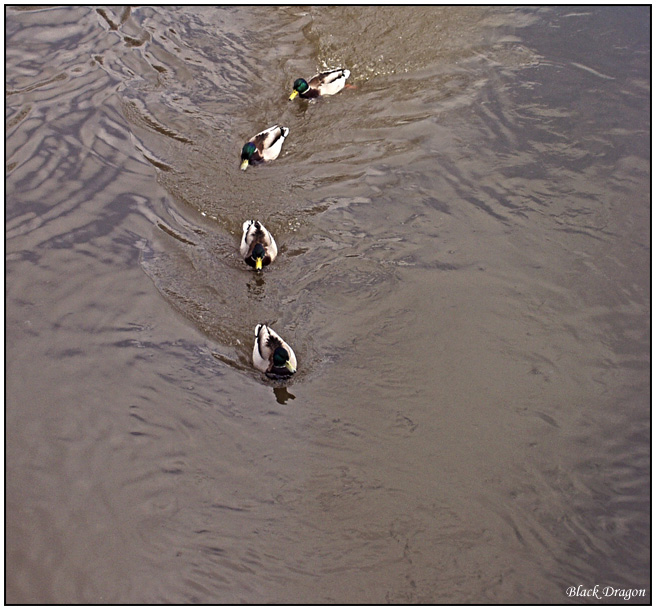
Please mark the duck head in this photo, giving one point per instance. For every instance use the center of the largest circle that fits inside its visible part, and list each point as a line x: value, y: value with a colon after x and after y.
x: 300, y: 86
x: 258, y: 256
x: 246, y: 154
x: 281, y: 359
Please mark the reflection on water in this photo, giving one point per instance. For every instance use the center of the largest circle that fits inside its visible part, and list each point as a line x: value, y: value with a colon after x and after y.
x: 463, y: 274
x: 283, y: 395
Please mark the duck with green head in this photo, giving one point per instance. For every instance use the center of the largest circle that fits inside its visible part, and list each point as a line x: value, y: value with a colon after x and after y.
x: 324, y: 83
x: 258, y: 248
x: 265, y: 146
x: 271, y: 355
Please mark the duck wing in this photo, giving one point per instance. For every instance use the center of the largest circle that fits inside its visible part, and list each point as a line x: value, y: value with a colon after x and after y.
x: 328, y: 83
x: 261, y: 353
x: 325, y: 78
x: 269, y: 137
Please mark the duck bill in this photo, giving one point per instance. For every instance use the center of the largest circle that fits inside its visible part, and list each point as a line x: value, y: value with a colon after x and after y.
x: 244, y: 164
x: 293, y: 95
x: 258, y: 264
x: 289, y: 367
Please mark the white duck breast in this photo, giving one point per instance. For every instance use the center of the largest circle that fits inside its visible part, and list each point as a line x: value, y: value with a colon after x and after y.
x: 271, y: 354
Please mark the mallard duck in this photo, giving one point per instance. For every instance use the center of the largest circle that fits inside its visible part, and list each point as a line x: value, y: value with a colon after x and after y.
x: 265, y: 146
x: 258, y: 247
x: 325, y: 83
x: 271, y: 354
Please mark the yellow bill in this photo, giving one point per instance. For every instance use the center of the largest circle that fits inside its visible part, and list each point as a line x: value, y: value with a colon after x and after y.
x: 244, y: 164
x: 258, y: 264
x: 293, y: 95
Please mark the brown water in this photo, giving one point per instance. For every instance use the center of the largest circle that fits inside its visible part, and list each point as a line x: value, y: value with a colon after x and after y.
x: 464, y: 276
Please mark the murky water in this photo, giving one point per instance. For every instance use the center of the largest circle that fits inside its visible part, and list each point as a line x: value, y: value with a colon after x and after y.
x: 463, y: 275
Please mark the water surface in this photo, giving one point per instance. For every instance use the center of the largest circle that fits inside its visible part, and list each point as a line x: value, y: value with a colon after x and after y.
x: 463, y: 274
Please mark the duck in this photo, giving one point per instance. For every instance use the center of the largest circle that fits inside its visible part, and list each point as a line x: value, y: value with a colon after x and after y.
x: 271, y: 355
x: 324, y: 83
x: 258, y: 248
x: 265, y: 146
